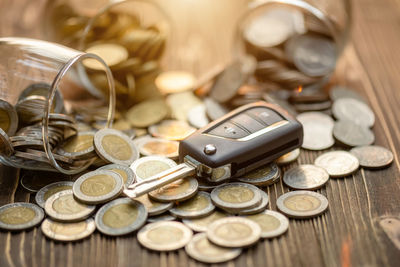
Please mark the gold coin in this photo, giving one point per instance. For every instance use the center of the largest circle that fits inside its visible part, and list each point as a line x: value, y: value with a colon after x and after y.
x: 153, y: 207
x: 201, y: 224
x: 112, y: 54
x: 159, y: 147
x: 79, y: 146
x: 181, y: 103
x: 147, y: 113
x: 198, y: 206
x: 175, y: 81
x: 8, y: 118
x: 179, y: 190
x: 47, y: 191
x: 302, y: 204
x: 171, y: 130
x: 288, y: 157
x: 272, y: 223
x: 146, y: 167
x: 68, y: 231
x: 20, y: 216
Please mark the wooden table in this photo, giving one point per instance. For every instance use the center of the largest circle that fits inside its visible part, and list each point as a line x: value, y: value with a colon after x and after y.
x: 349, y: 234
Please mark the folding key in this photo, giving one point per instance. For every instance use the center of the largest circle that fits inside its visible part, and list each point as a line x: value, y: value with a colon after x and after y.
x: 242, y: 140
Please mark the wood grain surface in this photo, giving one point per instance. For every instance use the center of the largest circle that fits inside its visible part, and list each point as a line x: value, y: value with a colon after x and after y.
x: 362, y: 225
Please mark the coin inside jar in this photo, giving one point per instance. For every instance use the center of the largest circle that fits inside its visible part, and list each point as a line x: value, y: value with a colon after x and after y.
x: 373, y: 156
x: 164, y: 236
x: 111, y: 53
x: 146, y: 167
x: 338, y: 163
x: 201, y: 224
x: 199, y: 205
x: 8, y: 118
x: 179, y: 190
x: 306, y: 176
x: 20, y: 216
x: 272, y: 223
x: 6, y: 147
x: 71, y: 231
x: 79, y: 146
x: 50, y: 190
x: 126, y: 173
x: 159, y: 147
x: 171, y: 130
x: 263, y: 176
x: 154, y: 207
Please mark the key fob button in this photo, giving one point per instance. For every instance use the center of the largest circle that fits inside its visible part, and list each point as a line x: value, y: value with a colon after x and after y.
x: 228, y: 130
x: 265, y: 115
x: 247, y: 122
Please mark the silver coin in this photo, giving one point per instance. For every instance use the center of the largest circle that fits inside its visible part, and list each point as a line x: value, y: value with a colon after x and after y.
x: 197, y: 116
x: 164, y: 236
x: 71, y: 231
x: 302, y: 204
x: 199, y: 205
x: 20, y: 216
x: 263, y: 176
x: 338, y: 163
x: 125, y: 172
x: 161, y: 218
x: 98, y: 186
x: 352, y: 134
x: 353, y: 110
x: 236, y: 196
x: 154, y: 207
x: 115, y: 147
x: 62, y: 206
x: 179, y: 190
x: 272, y: 223
x: 6, y: 147
x: 317, y: 128
x: 214, y: 109
x: 234, y: 232
x: 45, y: 192
x: 120, y: 216
x: 338, y: 91
x: 146, y: 167
x: 373, y: 157
x: 201, y: 249
x: 201, y: 224
x: 288, y: 157
x: 8, y: 118
x: 306, y: 177
x: 262, y: 206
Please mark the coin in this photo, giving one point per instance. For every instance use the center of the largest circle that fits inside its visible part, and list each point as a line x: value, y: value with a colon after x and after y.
x: 146, y: 167
x: 159, y: 147
x: 338, y: 163
x: 175, y: 81
x: 263, y: 176
x: 45, y: 192
x: 115, y: 147
x: 201, y: 224
x: 154, y: 207
x: 120, y: 216
x: 5, y: 144
x: 126, y: 173
x: 8, y: 118
x: 171, y: 130
x: 236, y: 196
x: 112, y: 54
x: 214, y: 109
x: 353, y: 110
x: 272, y: 223
x: 262, y: 206
x: 302, y: 204
x: 79, y: 146
x: 62, y: 206
x: 288, y: 157
x: 98, y: 186
x: 20, y: 216
x: 317, y: 128
x: 147, y: 113
x: 338, y: 91
x: 352, y: 134
x: 43, y: 89
x: 164, y: 236
x: 207, y: 185
x: 179, y: 190
x: 234, y: 232
x: 373, y: 157
x: 161, y: 218
x: 71, y: 231
x: 306, y: 177
x: 199, y: 205
x: 197, y: 116
x: 203, y: 250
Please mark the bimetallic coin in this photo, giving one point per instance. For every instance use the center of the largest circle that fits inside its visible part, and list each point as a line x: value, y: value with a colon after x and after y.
x: 72, y: 231
x: 154, y: 207
x: 120, y: 216
x: 203, y: 250
x: 197, y: 116
x: 147, y: 113
x: 317, y: 128
x: 338, y: 163
x: 306, y: 177
x: 79, y: 146
x: 8, y: 118
x: 20, y: 216
x: 171, y: 130
x: 62, y: 206
x: 288, y: 157
x: 302, y: 204
x: 373, y: 157
x: 353, y: 110
x: 234, y: 232
x: 98, y: 186
x: 262, y: 206
x: 43, y: 194
x: 175, y: 81
x: 115, y: 147
x: 352, y: 134
x: 179, y: 190
x: 199, y: 205
x: 159, y: 147
x: 126, y: 173
x: 236, y: 196
x: 263, y: 176
x: 164, y: 236
x: 272, y: 223
x: 112, y: 54
x: 146, y: 167
x: 161, y: 218
x: 6, y: 147
x: 201, y: 224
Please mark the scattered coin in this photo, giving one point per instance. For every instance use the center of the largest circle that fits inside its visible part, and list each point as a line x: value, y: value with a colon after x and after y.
x: 79, y: 146
x: 159, y: 147
x: 272, y: 223
x: 353, y: 110
x: 317, y: 128
x: 373, y: 157
x: 234, y: 232
x: 98, y: 186
x: 206, y: 185
x: 8, y: 118
x: 263, y: 176
x: 181, y: 103
x: 197, y: 116
x: 62, y: 206
x: 171, y: 130
x: 201, y: 224
x: 112, y: 54
x: 71, y: 231
x: 20, y: 216
x: 338, y: 91
x: 302, y: 204
x: 337, y: 163
x: 126, y: 173
x: 203, y: 250
x: 179, y: 190
x: 352, y: 134
x: 115, y: 147
x: 164, y: 236
x: 161, y: 218
x: 262, y: 206
x: 288, y: 157
x: 175, y: 81
x: 147, y: 113
x: 236, y: 196
x: 120, y: 216
x: 154, y: 207
x: 6, y: 147
x: 43, y: 194
x: 214, y: 109
x: 306, y: 177
x: 199, y: 205
x: 146, y: 167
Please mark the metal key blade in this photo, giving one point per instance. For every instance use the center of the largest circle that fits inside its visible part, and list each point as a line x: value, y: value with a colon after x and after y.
x: 159, y: 180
